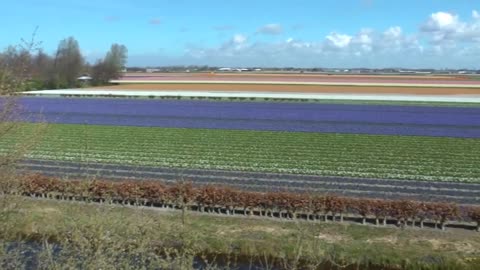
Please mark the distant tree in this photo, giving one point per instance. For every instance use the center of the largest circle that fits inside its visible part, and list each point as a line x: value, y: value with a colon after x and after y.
x: 15, y: 69
x: 116, y: 58
x: 42, y: 70
x: 100, y: 73
x: 111, y: 66
x: 8, y: 69
x: 42, y: 63
x: 68, y: 64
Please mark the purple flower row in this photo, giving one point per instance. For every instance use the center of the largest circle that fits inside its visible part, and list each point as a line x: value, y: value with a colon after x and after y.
x: 363, y: 119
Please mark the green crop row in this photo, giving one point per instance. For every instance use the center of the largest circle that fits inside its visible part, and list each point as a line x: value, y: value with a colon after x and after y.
x: 352, y: 155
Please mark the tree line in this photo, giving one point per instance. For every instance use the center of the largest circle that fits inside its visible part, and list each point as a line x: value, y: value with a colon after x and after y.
x: 28, y: 62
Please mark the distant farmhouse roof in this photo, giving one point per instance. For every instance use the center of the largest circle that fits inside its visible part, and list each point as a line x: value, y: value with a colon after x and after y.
x: 84, y: 78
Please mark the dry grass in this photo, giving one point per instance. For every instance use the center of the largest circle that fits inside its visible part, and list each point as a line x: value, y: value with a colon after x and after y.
x: 99, y: 233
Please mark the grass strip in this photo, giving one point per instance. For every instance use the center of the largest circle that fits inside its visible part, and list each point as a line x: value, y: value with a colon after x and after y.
x: 98, y: 233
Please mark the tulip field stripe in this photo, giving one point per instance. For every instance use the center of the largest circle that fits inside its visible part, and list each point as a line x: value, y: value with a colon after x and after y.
x: 289, y: 117
x: 464, y: 187
x: 262, y: 187
x: 233, y: 98
x: 380, y: 188
x: 324, y: 154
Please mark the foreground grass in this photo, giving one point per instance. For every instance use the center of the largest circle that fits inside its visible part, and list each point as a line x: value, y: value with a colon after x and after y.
x: 99, y: 233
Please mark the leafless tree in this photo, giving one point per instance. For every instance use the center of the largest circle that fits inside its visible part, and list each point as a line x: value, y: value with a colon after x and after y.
x: 68, y: 63
x: 110, y: 67
x: 15, y: 72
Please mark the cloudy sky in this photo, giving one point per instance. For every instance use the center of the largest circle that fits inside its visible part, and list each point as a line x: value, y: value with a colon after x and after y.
x: 300, y: 33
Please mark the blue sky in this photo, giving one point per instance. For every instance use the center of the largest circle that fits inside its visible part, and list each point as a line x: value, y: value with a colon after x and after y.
x: 327, y: 33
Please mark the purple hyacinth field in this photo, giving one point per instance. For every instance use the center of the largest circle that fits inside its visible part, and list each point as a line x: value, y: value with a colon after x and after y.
x: 307, y: 117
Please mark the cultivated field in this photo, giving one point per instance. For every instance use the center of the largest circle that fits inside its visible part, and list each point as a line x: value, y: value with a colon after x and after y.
x: 430, y: 154
x: 300, y: 83
x: 254, y: 137
x: 319, y: 78
x: 439, y: 121
x: 283, y: 88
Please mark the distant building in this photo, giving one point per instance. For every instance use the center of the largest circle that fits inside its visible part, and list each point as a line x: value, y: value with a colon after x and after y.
x: 151, y: 70
x: 423, y: 72
x: 84, y: 78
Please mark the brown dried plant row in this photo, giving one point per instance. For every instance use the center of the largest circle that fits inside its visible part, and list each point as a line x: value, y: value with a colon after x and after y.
x: 226, y: 200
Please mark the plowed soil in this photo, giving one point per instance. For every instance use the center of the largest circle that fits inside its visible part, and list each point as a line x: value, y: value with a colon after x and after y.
x: 231, y: 87
x: 298, y: 78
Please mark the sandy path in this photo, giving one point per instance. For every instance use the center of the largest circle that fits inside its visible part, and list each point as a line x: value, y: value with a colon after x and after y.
x: 297, y: 89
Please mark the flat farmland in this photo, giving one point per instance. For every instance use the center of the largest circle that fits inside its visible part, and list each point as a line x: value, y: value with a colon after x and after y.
x: 285, y: 88
x: 355, y: 165
x: 308, y: 83
x: 300, y: 83
x: 438, y: 121
x: 289, y: 77
x: 423, y: 152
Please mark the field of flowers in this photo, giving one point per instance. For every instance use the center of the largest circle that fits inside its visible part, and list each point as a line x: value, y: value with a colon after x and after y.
x: 296, y: 117
x: 350, y: 155
x: 458, y: 192
x: 376, y: 151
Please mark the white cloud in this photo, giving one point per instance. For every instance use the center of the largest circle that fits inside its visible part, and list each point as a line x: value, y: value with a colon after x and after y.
x: 394, y: 40
x: 393, y: 32
x: 475, y: 15
x: 236, y: 45
x: 364, y: 40
x: 446, y: 29
x: 441, y: 21
x: 364, y: 49
x: 339, y: 40
x: 271, y: 29
x: 239, y: 39
x: 443, y: 40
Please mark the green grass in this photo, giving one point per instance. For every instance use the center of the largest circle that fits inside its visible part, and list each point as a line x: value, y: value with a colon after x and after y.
x: 398, y: 157
x: 98, y: 232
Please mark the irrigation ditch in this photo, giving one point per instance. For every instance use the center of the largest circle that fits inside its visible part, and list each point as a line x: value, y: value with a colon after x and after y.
x: 31, y: 253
